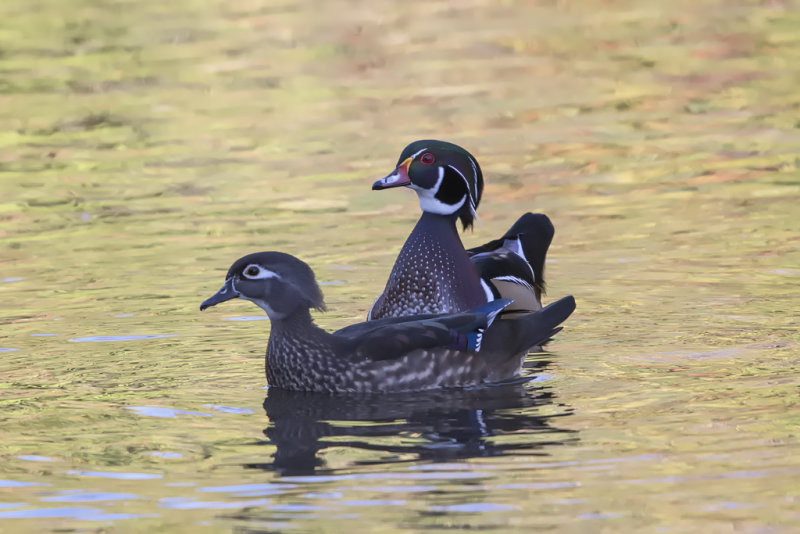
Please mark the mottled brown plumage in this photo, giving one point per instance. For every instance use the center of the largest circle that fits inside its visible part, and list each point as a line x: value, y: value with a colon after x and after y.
x: 394, y: 354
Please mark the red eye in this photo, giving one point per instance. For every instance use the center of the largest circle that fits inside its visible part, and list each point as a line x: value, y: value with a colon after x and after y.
x: 427, y: 158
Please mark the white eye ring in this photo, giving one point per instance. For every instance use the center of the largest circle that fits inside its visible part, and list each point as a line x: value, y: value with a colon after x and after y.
x: 257, y: 272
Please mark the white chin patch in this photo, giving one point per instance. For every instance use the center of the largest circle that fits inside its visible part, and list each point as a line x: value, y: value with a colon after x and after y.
x: 272, y: 314
x: 429, y: 203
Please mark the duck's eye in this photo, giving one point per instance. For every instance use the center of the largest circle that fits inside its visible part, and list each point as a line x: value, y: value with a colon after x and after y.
x: 427, y: 158
x: 255, y: 271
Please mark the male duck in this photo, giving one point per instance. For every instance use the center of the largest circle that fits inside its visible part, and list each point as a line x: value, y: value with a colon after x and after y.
x: 433, y: 273
x: 387, y: 355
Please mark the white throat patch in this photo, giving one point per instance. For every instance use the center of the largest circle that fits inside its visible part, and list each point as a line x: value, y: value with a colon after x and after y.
x: 272, y: 314
x: 428, y: 201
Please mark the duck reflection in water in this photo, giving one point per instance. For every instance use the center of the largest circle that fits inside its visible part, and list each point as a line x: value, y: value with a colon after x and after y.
x: 437, y: 425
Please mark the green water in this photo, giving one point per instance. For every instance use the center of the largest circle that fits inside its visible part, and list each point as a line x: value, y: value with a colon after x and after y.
x: 144, y: 146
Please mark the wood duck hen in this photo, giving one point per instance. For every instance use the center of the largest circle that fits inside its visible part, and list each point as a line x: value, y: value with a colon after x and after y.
x: 387, y: 355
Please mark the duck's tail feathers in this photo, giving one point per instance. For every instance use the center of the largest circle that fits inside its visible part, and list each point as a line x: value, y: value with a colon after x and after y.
x: 532, y: 235
x: 529, y: 238
x: 542, y: 325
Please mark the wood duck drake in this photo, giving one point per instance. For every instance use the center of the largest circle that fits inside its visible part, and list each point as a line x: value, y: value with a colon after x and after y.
x: 393, y: 354
x: 433, y: 273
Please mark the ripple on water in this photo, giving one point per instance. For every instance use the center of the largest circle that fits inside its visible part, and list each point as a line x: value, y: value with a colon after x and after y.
x: 169, y: 455
x: 427, y: 475
x: 106, y: 474
x: 118, y: 338
x: 375, y: 502
x: 228, y: 409
x: 249, y: 490
x: 80, y: 496
x: 35, y: 458
x: 183, y: 503
x: 85, y: 514
x: 477, y: 507
x: 158, y: 411
x: 396, y: 489
x: 298, y: 508
x: 17, y: 484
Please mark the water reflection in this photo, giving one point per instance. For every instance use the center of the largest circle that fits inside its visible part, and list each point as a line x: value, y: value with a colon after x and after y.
x: 437, y: 426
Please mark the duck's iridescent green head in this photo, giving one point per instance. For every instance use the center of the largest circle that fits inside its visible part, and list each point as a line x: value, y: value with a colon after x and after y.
x: 446, y: 177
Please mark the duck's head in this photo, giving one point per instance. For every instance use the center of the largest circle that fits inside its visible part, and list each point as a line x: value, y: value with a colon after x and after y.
x: 278, y: 283
x: 446, y: 177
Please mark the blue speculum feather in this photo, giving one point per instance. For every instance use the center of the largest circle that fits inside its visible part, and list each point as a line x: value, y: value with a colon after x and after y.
x: 471, y: 341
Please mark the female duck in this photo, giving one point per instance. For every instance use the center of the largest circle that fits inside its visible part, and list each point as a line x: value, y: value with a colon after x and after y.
x: 394, y: 354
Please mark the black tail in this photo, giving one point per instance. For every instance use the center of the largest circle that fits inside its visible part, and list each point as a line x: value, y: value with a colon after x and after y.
x: 544, y: 324
x: 520, y: 334
x: 535, y: 233
x: 529, y: 237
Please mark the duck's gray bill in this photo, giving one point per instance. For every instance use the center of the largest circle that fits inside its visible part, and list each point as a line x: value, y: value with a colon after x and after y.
x: 226, y: 293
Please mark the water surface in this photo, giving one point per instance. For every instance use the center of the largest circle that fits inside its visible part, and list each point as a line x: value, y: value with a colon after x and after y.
x: 145, y: 146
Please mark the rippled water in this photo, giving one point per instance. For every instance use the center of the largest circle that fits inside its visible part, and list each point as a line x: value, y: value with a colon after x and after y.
x: 145, y: 146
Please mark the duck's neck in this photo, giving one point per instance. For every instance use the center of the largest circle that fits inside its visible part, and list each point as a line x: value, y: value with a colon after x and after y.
x: 433, y: 273
x: 295, y: 345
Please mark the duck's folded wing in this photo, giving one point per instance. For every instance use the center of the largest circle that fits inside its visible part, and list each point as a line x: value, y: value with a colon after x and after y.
x: 390, y: 339
x: 503, y: 264
x: 508, y: 275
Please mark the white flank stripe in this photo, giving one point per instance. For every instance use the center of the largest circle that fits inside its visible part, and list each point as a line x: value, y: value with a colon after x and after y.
x: 514, y: 280
x: 487, y: 290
